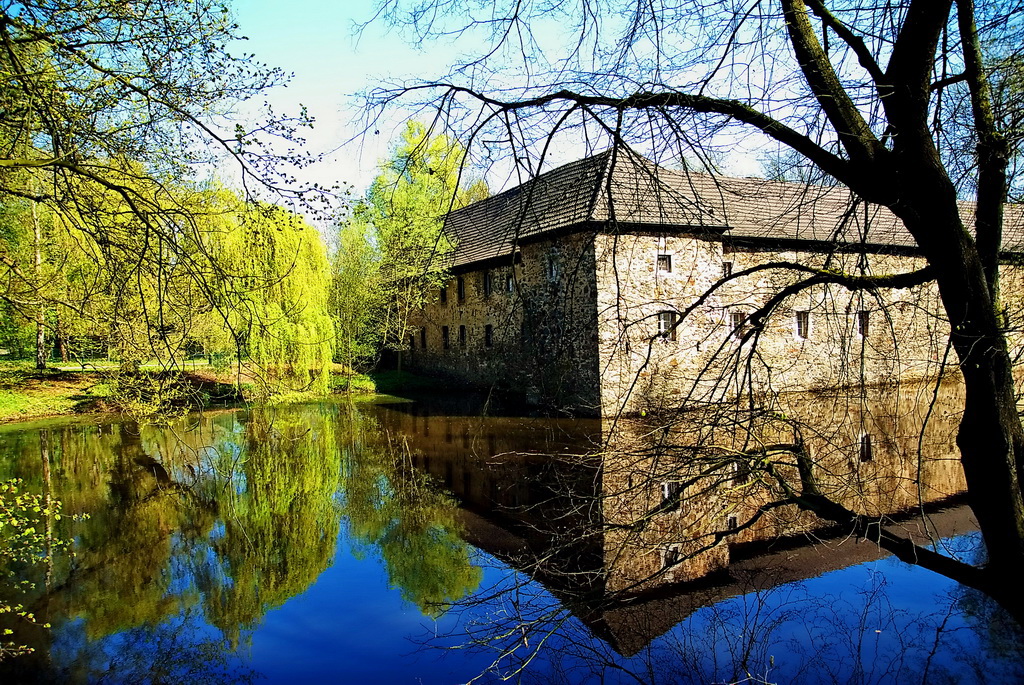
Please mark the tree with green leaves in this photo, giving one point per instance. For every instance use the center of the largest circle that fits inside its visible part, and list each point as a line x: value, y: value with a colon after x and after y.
x: 356, y: 295
x: 422, y: 180
x: 108, y: 109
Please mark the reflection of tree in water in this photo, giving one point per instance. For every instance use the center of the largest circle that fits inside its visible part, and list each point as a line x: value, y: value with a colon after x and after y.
x: 229, y: 520
x: 393, y: 509
x: 279, y: 517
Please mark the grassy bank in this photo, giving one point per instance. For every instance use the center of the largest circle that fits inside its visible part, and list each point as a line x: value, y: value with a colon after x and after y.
x: 27, y: 393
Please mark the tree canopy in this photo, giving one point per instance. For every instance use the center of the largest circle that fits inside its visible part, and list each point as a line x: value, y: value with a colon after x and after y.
x: 399, y: 228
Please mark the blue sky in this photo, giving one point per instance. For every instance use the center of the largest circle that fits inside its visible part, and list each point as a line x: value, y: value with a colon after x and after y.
x: 317, y: 41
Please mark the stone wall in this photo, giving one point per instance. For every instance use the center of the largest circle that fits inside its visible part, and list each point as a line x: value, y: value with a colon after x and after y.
x: 821, y: 337
x: 543, y: 333
x: 635, y: 323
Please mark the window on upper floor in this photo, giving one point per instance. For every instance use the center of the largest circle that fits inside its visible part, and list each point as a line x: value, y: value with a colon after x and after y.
x: 664, y: 263
x: 442, y: 294
x: 510, y: 283
x: 667, y: 325
x: 423, y: 338
x: 863, y: 320
x: 552, y: 267
x: 460, y: 288
x: 802, y: 324
x: 671, y: 493
x: 487, y: 282
x: 445, y: 338
x: 462, y: 336
x: 737, y: 324
x: 726, y: 269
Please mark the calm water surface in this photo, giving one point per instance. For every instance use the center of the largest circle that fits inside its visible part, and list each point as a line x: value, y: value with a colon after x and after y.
x: 397, y: 543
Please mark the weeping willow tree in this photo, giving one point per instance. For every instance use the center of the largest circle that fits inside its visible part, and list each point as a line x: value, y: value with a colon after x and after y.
x: 280, y: 518
x: 271, y: 301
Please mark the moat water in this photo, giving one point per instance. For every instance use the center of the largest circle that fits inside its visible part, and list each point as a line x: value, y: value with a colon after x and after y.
x: 410, y: 543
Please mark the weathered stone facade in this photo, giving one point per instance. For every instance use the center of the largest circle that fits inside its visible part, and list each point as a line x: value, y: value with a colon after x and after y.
x: 639, y: 300
x: 531, y: 331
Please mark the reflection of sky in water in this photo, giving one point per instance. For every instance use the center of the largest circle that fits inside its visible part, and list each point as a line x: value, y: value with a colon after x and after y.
x: 876, y: 622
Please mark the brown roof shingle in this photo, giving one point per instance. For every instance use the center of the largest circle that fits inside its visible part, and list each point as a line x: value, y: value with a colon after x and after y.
x: 625, y: 191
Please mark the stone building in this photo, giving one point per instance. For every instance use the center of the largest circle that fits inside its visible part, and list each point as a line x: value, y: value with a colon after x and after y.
x: 613, y: 285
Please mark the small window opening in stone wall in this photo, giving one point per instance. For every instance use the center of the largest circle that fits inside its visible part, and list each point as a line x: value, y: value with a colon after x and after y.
x: 671, y: 492
x: 667, y: 325
x: 488, y: 335
x: 726, y: 269
x: 442, y: 294
x: 803, y: 324
x: 863, y: 319
x: 462, y: 336
x: 731, y: 522
x: 510, y: 283
x: 552, y: 267
x: 445, y: 338
x: 665, y: 263
x: 412, y: 342
x: 487, y: 283
x: 670, y: 556
x: 423, y: 337
x: 460, y: 287
x: 737, y: 324
x: 865, y: 448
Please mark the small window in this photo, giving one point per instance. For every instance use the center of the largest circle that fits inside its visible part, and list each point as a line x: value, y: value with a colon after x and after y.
x: 487, y: 283
x: 510, y: 283
x: 803, y: 324
x: 737, y: 324
x: 863, y: 319
x: 731, y: 522
x: 662, y: 242
x: 442, y: 294
x: 670, y: 556
x: 462, y: 336
x: 670, y: 494
x: 445, y: 339
x: 412, y: 342
x: 423, y: 337
x: 726, y: 269
x: 488, y: 335
x: 552, y: 268
x: 665, y: 263
x: 865, y: 447
x: 460, y: 287
x: 667, y: 325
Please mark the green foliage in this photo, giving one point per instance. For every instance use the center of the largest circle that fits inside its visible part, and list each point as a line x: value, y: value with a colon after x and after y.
x: 418, y: 184
x: 394, y: 510
x: 23, y: 542
x: 273, y: 297
x: 357, y: 296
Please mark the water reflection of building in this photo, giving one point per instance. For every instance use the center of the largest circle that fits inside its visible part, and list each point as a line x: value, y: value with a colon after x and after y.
x: 664, y: 517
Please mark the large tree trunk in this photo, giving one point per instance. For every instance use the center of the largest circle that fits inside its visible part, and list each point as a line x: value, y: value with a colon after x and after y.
x: 37, y: 243
x: 991, y: 438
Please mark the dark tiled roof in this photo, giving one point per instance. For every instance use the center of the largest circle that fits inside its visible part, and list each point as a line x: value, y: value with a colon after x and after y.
x: 618, y: 186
